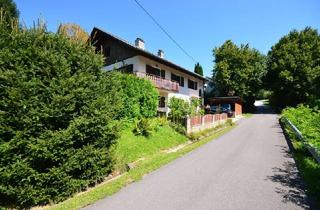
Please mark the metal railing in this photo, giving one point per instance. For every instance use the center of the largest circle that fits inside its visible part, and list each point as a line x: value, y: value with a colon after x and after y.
x: 159, y: 82
x: 313, y: 151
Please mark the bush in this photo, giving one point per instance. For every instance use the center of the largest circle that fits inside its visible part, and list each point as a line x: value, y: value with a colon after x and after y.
x: 140, y: 97
x: 58, y: 117
x: 178, y: 127
x: 229, y: 122
x: 179, y: 109
x: 144, y: 127
x: 307, y: 120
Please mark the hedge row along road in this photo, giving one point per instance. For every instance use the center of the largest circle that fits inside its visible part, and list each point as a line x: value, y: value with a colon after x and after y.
x: 248, y: 168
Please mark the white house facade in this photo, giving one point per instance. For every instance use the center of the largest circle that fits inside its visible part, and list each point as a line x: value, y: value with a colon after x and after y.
x: 170, y: 79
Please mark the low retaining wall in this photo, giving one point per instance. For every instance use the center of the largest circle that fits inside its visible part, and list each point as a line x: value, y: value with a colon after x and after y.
x: 199, y: 123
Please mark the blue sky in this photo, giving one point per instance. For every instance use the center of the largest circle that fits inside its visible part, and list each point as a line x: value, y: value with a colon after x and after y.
x: 197, y: 25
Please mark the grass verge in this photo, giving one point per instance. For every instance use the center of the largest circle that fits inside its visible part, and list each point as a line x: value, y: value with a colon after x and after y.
x: 308, y: 167
x: 247, y: 115
x: 150, y: 163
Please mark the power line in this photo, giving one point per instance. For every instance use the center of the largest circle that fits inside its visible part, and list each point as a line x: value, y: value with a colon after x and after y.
x: 170, y: 37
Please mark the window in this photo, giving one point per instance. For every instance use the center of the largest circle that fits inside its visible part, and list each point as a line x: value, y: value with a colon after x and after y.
x: 107, y: 51
x: 162, y: 101
x: 200, y: 93
x: 126, y: 69
x: 192, y: 84
x: 177, y: 79
x: 155, y: 71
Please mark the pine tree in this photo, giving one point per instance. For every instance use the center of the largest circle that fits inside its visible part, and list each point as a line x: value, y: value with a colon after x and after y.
x: 198, y: 69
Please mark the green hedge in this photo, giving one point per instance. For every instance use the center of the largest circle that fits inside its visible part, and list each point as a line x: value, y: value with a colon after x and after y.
x: 140, y: 97
x: 307, y: 120
x: 58, y: 117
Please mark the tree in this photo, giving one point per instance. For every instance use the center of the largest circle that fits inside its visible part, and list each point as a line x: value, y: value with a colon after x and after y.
x: 8, y: 10
x: 238, y: 71
x: 179, y: 109
x: 198, y: 69
x: 73, y: 31
x: 294, y: 68
x: 140, y: 97
x: 58, y: 116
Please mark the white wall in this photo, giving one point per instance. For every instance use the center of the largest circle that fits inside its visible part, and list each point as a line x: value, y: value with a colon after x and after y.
x: 139, y: 64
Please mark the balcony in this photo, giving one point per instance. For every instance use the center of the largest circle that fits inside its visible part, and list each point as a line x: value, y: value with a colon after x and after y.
x: 159, y: 82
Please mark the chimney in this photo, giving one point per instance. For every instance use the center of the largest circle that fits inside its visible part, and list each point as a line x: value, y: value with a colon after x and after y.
x: 160, y: 53
x: 139, y: 43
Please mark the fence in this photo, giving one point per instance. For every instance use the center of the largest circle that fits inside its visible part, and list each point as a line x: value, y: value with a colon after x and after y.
x: 314, y: 152
x: 199, y: 123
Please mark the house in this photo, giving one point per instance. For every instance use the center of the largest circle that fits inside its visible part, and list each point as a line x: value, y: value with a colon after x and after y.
x: 170, y: 79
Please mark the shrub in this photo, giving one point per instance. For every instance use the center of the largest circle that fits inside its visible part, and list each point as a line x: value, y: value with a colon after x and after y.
x: 229, y: 122
x: 195, y: 107
x: 144, y: 127
x: 140, y: 97
x: 58, y: 116
x: 178, y: 127
x: 307, y: 120
x: 179, y: 109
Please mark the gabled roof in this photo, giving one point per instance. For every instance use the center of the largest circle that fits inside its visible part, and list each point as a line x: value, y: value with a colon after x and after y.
x: 146, y: 53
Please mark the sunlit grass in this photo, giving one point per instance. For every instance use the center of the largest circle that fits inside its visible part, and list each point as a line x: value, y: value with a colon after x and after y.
x: 153, y: 158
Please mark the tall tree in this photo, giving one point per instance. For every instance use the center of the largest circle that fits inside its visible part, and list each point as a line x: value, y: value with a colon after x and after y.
x: 73, y: 31
x: 294, y: 68
x: 8, y: 10
x: 238, y: 71
x: 198, y: 69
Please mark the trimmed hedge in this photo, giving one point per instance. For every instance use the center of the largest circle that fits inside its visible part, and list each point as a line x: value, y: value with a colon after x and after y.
x: 58, y: 117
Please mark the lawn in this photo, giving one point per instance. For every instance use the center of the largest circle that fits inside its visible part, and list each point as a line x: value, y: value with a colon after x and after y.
x: 131, y: 147
x: 150, y: 152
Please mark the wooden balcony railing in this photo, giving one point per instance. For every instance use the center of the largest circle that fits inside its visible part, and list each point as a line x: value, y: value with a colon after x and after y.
x: 159, y: 82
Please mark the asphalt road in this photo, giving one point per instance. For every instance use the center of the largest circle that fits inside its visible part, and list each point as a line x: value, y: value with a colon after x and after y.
x: 248, y: 168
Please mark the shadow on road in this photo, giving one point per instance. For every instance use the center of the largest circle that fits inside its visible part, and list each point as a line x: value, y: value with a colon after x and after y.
x: 292, y: 189
x: 292, y: 186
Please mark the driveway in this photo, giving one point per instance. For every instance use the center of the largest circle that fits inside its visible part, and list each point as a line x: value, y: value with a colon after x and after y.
x: 249, y: 167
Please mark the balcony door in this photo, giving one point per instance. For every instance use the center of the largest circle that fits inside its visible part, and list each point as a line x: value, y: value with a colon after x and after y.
x: 155, y: 71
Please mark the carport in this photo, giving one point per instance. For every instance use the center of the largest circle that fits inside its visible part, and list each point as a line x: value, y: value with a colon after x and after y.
x: 234, y: 101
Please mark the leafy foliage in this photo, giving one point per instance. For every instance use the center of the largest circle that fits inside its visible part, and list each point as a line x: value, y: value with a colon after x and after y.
x: 144, y: 127
x: 307, y: 120
x: 238, y: 71
x: 8, y: 10
x: 195, y: 107
x: 140, y: 97
x: 73, y: 31
x: 58, y: 116
x: 294, y: 68
x: 179, y: 109
x: 198, y: 69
